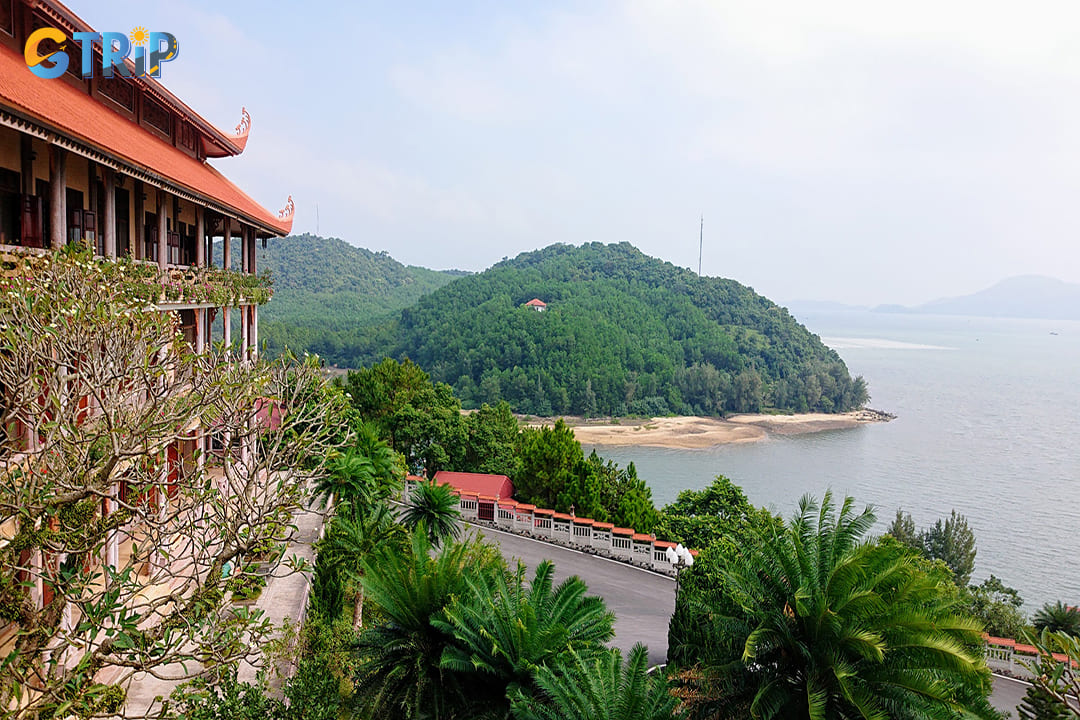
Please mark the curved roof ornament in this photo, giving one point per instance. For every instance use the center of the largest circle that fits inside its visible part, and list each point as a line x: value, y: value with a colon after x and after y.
x: 285, y: 215
x: 242, y: 130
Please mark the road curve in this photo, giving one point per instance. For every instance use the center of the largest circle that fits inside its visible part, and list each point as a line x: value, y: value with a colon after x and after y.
x: 643, y: 601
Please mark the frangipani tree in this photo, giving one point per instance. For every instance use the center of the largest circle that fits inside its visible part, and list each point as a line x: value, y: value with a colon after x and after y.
x: 116, y: 544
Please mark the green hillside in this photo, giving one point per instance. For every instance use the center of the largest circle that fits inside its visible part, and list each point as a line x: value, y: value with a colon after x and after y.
x: 326, y: 291
x: 623, y: 333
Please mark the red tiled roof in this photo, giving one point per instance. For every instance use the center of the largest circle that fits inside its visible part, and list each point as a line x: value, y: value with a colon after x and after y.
x: 1004, y: 642
x: 508, y: 503
x: 543, y: 511
x: 486, y: 498
x: 642, y: 537
x: 493, y: 485
x: 525, y: 506
x: 583, y: 521
x: 603, y: 526
x: 536, y: 302
x: 563, y: 516
x: 662, y: 544
x: 74, y: 113
x: 622, y: 531
x: 415, y: 478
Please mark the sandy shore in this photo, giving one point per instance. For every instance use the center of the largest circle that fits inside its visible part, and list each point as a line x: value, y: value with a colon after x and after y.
x: 703, y: 432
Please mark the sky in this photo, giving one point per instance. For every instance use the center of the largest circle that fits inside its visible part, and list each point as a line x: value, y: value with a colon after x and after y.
x: 841, y: 150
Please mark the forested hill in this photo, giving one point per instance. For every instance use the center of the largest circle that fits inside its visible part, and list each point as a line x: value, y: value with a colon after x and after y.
x: 325, y: 289
x: 623, y: 333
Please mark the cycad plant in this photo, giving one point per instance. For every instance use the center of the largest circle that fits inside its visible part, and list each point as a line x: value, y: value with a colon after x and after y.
x: 1058, y: 617
x: 601, y: 689
x: 400, y: 675
x: 506, y: 630
x: 840, y: 628
x: 435, y: 507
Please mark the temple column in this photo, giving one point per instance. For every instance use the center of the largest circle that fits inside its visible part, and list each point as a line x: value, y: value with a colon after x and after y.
x: 57, y: 196
x: 255, y: 332
x: 163, y: 231
x: 200, y: 331
x: 139, y: 234
x: 245, y: 334
x: 26, y: 164
x: 200, y: 236
x: 109, y: 221
x: 251, y: 252
x: 226, y: 328
x: 226, y: 244
x: 243, y: 249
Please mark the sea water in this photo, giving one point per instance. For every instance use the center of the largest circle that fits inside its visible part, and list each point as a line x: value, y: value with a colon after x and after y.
x: 988, y: 415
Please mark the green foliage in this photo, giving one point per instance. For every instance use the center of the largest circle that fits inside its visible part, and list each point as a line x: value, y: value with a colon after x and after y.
x: 720, y: 512
x: 551, y: 458
x: 554, y: 473
x: 400, y: 675
x: 813, y: 622
x: 505, y: 630
x: 623, y: 334
x: 1057, y: 679
x: 1038, y: 704
x: 422, y: 420
x: 600, y: 689
x: 950, y: 540
x: 246, y: 584
x: 327, y: 292
x: 492, y: 440
x: 433, y: 509
x: 1059, y: 618
x: 997, y: 606
x: 226, y: 699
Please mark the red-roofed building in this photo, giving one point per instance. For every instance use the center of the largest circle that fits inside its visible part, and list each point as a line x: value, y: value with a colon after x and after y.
x: 536, y: 304
x: 495, y: 486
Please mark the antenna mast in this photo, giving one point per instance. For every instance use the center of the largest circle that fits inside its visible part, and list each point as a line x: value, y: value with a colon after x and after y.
x: 701, y: 239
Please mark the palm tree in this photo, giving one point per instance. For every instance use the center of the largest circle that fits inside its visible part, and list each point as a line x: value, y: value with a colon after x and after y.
x: 363, y: 474
x: 400, y: 675
x: 352, y: 535
x: 830, y: 626
x: 435, y: 507
x: 1058, y: 617
x: 603, y: 689
x: 507, y: 629
x: 350, y: 476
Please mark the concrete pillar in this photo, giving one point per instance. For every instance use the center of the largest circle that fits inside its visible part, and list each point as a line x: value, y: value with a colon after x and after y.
x: 255, y: 332
x: 200, y: 236
x: 139, y: 235
x: 227, y: 328
x: 252, y: 253
x: 57, y: 196
x: 245, y: 332
x: 109, y: 221
x: 200, y: 331
x: 243, y: 249
x: 162, y: 231
x: 226, y: 244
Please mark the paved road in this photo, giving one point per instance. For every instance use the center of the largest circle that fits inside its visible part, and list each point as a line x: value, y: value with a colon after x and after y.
x: 643, y: 601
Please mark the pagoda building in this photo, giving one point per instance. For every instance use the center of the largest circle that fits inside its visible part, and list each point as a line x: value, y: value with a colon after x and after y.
x: 120, y: 163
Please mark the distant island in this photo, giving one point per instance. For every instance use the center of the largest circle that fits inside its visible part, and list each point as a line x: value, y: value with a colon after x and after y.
x: 1023, y: 296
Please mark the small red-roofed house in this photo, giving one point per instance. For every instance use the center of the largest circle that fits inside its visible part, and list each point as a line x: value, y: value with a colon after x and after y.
x: 536, y: 304
x: 495, y: 486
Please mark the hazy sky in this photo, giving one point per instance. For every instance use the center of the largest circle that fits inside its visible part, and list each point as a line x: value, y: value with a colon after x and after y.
x: 843, y: 150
